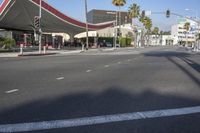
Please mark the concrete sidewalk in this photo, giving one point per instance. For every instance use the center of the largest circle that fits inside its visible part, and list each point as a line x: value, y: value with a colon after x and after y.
x: 52, y: 52
x: 36, y: 53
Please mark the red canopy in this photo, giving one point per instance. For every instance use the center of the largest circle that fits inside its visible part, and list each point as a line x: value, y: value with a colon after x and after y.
x: 19, y: 15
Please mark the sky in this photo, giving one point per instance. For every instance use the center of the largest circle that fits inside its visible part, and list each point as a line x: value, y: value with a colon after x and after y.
x: 75, y: 8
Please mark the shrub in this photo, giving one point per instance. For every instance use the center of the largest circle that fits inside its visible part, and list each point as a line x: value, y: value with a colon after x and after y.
x: 125, y: 41
x: 7, y: 43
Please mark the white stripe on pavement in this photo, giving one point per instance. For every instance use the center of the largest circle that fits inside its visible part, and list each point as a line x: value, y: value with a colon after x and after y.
x: 60, y: 78
x: 106, y: 66
x: 11, y: 91
x: 88, y: 71
x: 24, y: 127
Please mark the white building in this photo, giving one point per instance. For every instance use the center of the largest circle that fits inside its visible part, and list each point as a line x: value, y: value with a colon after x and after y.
x: 181, y: 35
x: 126, y: 30
x: 161, y: 40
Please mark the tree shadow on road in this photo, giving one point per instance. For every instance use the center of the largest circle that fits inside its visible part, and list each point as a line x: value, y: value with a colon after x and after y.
x: 112, y: 101
x: 170, y: 56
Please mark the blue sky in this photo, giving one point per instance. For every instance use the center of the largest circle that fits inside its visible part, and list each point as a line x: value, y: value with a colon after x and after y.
x: 75, y: 8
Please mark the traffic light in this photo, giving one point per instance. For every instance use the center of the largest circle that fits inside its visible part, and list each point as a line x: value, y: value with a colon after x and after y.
x: 143, y: 13
x: 37, y: 22
x: 168, y: 13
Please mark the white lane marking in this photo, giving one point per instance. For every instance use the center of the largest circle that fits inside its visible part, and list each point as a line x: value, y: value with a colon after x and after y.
x: 129, y: 60
x: 11, y: 91
x: 34, y: 126
x: 106, y: 66
x: 119, y: 62
x: 60, y: 78
x: 88, y: 71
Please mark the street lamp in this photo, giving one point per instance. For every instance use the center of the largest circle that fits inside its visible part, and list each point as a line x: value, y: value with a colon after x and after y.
x: 86, y: 26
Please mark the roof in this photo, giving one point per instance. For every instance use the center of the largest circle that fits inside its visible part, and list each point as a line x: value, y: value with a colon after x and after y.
x: 19, y: 15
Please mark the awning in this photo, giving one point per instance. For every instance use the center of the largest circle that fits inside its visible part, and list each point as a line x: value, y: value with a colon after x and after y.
x: 19, y: 15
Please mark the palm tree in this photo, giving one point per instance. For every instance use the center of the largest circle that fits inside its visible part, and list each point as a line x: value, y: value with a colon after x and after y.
x: 156, y: 32
x: 147, y: 22
x: 134, y: 12
x: 187, y: 28
x: 119, y: 3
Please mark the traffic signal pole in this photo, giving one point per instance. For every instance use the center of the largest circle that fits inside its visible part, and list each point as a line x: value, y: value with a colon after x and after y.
x: 86, y: 26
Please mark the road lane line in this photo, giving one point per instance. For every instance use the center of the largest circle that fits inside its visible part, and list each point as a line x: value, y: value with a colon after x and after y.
x: 119, y: 62
x: 86, y: 121
x: 106, y: 66
x: 60, y: 78
x: 88, y: 71
x: 11, y: 91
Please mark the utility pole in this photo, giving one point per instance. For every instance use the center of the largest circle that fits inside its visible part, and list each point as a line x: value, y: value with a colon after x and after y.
x: 40, y: 31
x: 115, y: 31
x: 86, y: 26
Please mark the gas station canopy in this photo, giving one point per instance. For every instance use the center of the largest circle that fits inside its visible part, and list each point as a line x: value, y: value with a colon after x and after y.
x: 19, y: 15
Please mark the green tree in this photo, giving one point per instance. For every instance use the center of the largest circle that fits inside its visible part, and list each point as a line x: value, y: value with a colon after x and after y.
x: 147, y: 22
x: 7, y: 43
x: 187, y: 28
x: 134, y: 12
x: 119, y: 3
x: 155, y: 31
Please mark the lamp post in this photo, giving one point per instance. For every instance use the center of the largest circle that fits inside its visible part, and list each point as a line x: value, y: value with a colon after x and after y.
x: 86, y: 26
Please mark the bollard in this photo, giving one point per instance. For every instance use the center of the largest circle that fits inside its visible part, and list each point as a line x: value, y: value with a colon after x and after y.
x: 44, y: 48
x: 82, y: 47
x: 21, y: 49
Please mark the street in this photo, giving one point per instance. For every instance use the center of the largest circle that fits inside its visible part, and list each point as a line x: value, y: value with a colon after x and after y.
x: 101, y: 83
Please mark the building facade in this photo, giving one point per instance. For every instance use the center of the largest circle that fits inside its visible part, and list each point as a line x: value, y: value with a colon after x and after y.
x: 181, y: 35
x: 100, y: 16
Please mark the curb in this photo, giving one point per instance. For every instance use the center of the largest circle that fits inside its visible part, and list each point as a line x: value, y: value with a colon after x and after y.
x: 42, y: 54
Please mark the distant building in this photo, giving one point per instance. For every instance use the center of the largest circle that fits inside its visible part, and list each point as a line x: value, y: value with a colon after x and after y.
x: 99, y: 16
x: 109, y: 32
x: 181, y: 35
x: 161, y: 40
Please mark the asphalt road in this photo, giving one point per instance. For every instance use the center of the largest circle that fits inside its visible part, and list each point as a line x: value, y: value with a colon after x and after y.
x: 62, y: 87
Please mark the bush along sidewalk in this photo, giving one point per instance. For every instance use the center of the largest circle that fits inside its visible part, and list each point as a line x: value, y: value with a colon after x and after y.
x: 125, y: 41
x: 7, y: 43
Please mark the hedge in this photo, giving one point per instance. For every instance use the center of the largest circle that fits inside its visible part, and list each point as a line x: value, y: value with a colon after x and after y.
x: 7, y: 43
x: 125, y: 41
